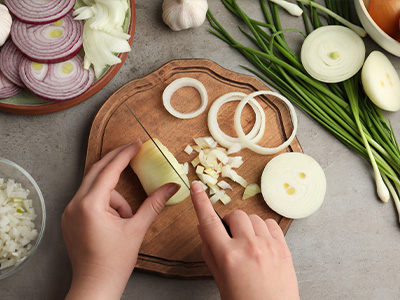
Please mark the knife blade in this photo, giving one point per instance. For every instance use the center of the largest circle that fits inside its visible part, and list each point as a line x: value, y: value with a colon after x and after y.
x: 151, y: 138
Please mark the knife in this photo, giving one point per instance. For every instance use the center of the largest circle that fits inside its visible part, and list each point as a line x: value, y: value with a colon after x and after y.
x: 151, y: 138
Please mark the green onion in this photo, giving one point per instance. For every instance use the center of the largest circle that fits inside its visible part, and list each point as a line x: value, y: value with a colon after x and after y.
x: 342, y: 108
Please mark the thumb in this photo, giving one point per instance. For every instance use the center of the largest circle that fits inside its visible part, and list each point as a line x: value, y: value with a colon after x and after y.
x: 152, y: 207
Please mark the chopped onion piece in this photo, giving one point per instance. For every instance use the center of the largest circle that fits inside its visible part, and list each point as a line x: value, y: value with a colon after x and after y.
x: 188, y: 149
x: 225, y: 199
x: 214, y: 198
x: 250, y: 143
x: 251, y: 190
x: 293, y: 185
x: 180, y: 83
x: 224, y: 185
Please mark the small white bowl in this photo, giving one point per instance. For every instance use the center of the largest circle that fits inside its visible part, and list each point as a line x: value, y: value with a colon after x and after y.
x: 374, y: 31
x: 10, y: 170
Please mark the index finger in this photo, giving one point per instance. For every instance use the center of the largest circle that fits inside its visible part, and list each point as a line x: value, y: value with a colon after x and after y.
x: 212, y: 229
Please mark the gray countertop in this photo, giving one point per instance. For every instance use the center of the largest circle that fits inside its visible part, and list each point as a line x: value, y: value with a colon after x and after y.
x: 348, y: 249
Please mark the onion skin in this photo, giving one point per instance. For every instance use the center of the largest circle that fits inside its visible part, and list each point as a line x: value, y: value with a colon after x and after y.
x: 56, y: 82
x: 49, y: 43
x: 386, y: 14
x: 7, y: 88
x: 39, y: 11
x: 10, y: 58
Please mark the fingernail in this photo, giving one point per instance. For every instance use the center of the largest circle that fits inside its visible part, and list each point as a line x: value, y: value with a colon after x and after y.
x: 172, y: 189
x: 196, y: 188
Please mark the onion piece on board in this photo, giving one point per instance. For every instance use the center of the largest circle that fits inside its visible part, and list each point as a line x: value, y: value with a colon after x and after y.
x: 49, y: 43
x: 293, y: 185
x: 225, y: 140
x: 56, y: 82
x: 180, y: 83
x: 10, y: 57
x: 247, y: 141
x: 39, y: 11
x: 7, y: 88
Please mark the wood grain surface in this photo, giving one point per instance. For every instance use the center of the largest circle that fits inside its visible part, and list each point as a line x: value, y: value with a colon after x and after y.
x: 172, y: 246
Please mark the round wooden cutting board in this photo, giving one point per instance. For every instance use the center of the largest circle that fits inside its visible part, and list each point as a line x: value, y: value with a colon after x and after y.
x: 172, y: 246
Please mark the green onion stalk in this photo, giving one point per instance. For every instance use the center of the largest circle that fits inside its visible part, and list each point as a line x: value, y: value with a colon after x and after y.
x: 341, y: 108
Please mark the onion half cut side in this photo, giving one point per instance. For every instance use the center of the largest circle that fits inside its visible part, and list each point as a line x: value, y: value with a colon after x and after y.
x: 222, y: 138
x: 293, y: 185
x: 49, y: 43
x: 251, y: 144
x: 39, y: 11
x: 180, y: 83
x: 56, y: 82
x: 10, y: 58
x: 7, y: 88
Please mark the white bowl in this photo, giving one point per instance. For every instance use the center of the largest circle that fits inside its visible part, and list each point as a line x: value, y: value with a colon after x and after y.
x: 10, y: 170
x: 374, y: 31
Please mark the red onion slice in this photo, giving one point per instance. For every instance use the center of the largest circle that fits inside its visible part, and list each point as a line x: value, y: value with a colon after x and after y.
x: 39, y: 11
x: 7, y: 88
x: 49, y: 43
x: 10, y: 57
x: 56, y: 82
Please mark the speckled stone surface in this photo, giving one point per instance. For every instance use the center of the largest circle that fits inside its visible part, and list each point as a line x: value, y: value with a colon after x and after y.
x: 348, y: 249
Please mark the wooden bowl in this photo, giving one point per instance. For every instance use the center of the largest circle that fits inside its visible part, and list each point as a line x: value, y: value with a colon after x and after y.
x: 51, y: 107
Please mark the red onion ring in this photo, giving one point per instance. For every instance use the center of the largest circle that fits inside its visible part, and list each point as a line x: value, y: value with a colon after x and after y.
x: 49, y: 43
x: 10, y: 58
x: 7, y: 88
x: 56, y: 82
x: 39, y: 11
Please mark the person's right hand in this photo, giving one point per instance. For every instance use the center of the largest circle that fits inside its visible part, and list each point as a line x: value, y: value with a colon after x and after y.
x: 255, y: 263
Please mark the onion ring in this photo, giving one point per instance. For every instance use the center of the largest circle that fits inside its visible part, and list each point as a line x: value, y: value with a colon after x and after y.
x: 222, y: 138
x: 7, y: 88
x: 10, y: 58
x: 245, y: 139
x: 180, y: 83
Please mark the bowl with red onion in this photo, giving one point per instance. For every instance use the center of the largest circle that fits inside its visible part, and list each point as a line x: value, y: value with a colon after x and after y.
x: 54, y: 78
x: 374, y: 12
x: 22, y: 217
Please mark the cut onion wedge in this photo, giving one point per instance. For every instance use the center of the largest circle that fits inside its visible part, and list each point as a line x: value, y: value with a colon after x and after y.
x: 332, y: 53
x: 10, y: 58
x: 56, y: 82
x: 49, y: 43
x: 39, y: 11
x: 247, y: 141
x: 225, y: 140
x: 293, y: 185
x: 7, y: 88
x: 180, y: 83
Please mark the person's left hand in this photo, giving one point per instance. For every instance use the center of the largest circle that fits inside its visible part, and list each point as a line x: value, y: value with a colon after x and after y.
x: 101, y: 234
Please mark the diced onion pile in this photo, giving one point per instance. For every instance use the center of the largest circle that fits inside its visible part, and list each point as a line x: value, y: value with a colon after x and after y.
x: 17, y: 229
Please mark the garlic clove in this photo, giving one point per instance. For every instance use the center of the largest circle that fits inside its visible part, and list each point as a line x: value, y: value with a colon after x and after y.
x: 184, y: 14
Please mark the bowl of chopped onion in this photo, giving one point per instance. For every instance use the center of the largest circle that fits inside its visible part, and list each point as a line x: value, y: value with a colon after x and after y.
x: 22, y: 217
x: 381, y: 21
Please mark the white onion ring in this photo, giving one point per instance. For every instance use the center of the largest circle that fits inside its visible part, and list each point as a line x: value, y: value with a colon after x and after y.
x: 180, y: 83
x: 39, y: 11
x: 245, y: 139
x: 222, y: 138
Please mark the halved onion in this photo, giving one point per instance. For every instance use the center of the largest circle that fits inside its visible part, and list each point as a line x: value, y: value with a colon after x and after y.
x: 180, y: 83
x: 39, y: 11
x: 153, y: 170
x: 247, y: 141
x: 56, y: 82
x: 332, y: 53
x: 293, y: 185
x: 7, y: 88
x: 225, y: 140
x: 10, y: 58
x: 49, y: 43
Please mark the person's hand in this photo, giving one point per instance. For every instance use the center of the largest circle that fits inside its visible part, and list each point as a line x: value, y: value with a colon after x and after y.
x: 255, y: 263
x: 101, y: 234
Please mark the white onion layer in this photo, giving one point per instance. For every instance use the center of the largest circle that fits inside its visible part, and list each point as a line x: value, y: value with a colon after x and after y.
x: 180, y: 83
x: 247, y: 141
x: 225, y: 140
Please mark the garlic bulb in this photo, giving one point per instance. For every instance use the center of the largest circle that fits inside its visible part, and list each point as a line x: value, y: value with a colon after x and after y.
x: 5, y: 24
x: 184, y: 14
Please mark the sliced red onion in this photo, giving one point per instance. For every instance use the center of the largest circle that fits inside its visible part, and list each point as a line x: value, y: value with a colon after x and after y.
x: 10, y: 57
x: 7, y: 88
x: 39, y: 11
x: 49, y: 43
x: 56, y: 82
